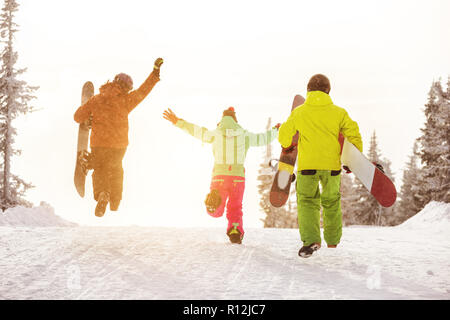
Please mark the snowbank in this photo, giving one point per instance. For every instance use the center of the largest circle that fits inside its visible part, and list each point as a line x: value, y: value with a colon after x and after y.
x: 42, y: 216
x: 434, y: 217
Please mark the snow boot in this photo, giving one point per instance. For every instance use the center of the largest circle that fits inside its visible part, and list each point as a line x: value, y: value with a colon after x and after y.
x: 103, y: 199
x: 213, y: 201
x: 307, y: 251
x: 114, y: 205
x: 234, y: 234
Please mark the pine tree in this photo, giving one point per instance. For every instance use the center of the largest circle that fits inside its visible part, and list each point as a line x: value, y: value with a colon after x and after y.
x: 409, y: 203
x: 291, y: 210
x: 14, y: 97
x: 265, y: 177
x: 386, y: 214
x: 365, y: 209
x: 435, y: 147
x: 348, y: 197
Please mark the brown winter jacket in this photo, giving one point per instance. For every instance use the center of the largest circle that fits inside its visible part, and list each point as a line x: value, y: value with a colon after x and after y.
x: 110, y: 109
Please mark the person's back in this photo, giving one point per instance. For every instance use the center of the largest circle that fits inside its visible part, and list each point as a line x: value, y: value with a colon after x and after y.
x: 319, y: 123
x: 230, y: 143
x: 110, y: 108
x: 107, y: 113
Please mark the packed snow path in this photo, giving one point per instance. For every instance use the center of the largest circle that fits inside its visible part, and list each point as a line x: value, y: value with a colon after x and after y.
x: 200, y: 263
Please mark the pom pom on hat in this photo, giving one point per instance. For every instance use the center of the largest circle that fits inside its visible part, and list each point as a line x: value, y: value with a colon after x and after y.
x: 230, y: 112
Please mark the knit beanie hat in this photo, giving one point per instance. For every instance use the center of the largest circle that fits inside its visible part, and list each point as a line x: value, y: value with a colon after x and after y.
x: 230, y: 112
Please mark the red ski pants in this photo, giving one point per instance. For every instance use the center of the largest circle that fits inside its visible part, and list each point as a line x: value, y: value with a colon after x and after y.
x: 231, y: 189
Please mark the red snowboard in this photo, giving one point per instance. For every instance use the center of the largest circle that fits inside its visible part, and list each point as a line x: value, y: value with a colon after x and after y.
x: 378, y: 184
x: 279, y: 193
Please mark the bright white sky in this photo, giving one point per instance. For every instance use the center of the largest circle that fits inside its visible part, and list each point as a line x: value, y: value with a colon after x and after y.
x: 381, y: 58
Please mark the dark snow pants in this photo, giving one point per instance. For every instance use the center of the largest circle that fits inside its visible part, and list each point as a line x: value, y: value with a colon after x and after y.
x: 108, y: 171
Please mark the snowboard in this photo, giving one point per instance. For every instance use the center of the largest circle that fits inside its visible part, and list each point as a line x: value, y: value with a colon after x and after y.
x: 83, y: 141
x: 375, y: 181
x: 279, y: 192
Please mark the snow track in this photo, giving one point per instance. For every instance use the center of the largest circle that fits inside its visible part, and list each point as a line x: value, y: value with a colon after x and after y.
x: 200, y: 263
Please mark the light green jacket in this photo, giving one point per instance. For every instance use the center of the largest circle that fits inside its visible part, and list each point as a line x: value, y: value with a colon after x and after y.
x: 230, y: 143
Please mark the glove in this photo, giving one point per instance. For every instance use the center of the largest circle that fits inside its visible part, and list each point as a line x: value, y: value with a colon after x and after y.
x: 290, y: 148
x: 379, y: 166
x: 158, y: 63
x: 169, y: 115
x: 89, y: 122
x: 347, y: 169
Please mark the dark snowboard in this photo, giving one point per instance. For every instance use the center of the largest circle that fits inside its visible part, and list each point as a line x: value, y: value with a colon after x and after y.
x: 83, y: 142
x: 279, y: 193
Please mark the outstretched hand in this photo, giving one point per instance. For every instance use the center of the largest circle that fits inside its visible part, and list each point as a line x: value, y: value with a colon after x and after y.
x: 170, y: 115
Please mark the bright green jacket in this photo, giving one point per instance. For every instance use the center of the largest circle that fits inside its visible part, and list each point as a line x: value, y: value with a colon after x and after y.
x: 230, y: 143
x: 319, y: 123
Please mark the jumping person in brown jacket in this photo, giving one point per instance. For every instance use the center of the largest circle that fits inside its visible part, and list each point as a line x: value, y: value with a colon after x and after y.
x: 108, y: 112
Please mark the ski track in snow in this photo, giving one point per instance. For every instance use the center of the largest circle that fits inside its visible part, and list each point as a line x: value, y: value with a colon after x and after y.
x: 200, y: 263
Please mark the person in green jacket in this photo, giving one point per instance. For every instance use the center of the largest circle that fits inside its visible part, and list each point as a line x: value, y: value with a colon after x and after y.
x: 319, y: 123
x: 230, y: 143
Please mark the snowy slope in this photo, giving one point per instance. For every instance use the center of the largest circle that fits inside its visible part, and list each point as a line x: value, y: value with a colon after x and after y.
x: 42, y: 216
x: 435, y: 216
x: 199, y: 263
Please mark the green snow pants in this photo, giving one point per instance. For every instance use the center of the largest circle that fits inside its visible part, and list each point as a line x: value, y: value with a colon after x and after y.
x: 309, y: 199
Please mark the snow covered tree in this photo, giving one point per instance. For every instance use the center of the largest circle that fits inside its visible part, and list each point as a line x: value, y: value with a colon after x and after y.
x: 284, y: 217
x: 435, y: 146
x: 365, y: 209
x: 291, y: 220
x: 387, y: 214
x: 409, y: 203
x: 348, y: 197
x: 15, y: 95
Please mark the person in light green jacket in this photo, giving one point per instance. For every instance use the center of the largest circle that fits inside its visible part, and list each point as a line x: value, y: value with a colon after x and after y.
x: 319, y: 123
x: 230, y: 143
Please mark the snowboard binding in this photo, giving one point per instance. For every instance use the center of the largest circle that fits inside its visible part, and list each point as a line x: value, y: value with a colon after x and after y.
x: 213, y: 201
x: 85, y: 161
x: 275, y: 168
x: 273, y: 164
x: 379, y: 166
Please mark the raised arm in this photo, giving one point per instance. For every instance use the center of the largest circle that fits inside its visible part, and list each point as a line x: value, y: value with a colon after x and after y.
x: 262, y: 139
x: 135, y: 97
x: 198, y: 132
